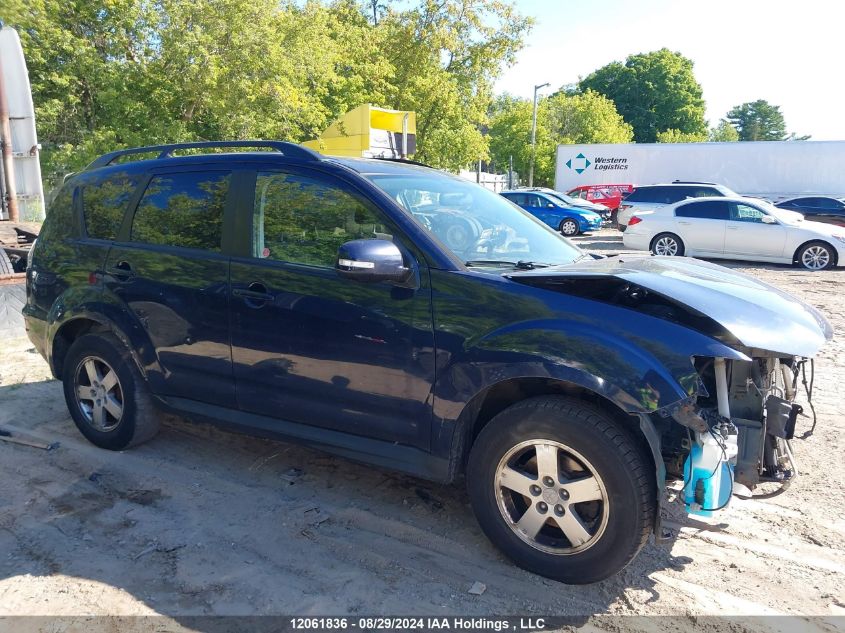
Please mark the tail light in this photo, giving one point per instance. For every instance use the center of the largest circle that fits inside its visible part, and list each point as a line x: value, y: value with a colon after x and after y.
x: 634, y: 220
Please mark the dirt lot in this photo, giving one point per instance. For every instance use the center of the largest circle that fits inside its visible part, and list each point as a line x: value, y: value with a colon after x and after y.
x: 200, y: 521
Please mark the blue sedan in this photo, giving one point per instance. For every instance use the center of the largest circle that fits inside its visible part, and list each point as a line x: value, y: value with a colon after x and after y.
x: 568, y: 220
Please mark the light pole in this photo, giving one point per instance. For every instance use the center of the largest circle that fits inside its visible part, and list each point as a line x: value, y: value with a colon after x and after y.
x: 534, y: 136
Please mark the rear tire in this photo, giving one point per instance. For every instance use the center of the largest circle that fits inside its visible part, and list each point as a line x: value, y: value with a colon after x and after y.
x: 667, y: 244
x: 6, y: 267
x: 106, y: 395
x: 816, y: 256
x: 531, y: 513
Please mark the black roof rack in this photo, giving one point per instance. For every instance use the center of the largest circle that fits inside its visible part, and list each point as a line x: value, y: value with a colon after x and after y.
x: 290, y: 150
x: 692, y: 182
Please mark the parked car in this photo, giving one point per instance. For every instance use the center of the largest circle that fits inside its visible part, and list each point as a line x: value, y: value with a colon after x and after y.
x: 817, y: 208
x: 737, y: 228
x: 608, y: 195
x: 552, y: 211
x: 576, y: 203
x: 647, y: 198
x: 403, y: 317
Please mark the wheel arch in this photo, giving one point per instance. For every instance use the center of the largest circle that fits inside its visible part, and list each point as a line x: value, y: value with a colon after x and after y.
x: 72, y: 326
x: 816, y: 240
x: 497, y: 397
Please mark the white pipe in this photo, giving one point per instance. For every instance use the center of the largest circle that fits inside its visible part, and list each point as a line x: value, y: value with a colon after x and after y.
x: 720, y: 369
x: 405, y: 135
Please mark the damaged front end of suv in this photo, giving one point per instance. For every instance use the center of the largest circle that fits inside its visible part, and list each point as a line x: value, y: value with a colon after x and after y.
x: 733, y: 431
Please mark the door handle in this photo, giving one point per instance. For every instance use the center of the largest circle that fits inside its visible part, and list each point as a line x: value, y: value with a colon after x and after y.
x: 255, y: 293
x: 121, y: 270
x: 684, y: 223
x: 733, y: 228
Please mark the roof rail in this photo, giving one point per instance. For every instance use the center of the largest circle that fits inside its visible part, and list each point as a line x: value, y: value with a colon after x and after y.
x: 406, y: 161
x: 290, y: 150
x: 692, y: 182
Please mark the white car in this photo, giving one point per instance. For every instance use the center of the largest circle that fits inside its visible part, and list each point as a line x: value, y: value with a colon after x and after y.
x: 737, y: 228
x: 647, y: 198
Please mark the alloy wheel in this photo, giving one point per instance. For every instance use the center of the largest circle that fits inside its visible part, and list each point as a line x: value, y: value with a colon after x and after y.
x: 99, y: 395
x: 666, y: 246
x: 815, y: 257
x: 551, y: 497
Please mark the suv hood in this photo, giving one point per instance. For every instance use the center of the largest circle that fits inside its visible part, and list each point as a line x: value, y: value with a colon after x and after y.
x: 755, y: 313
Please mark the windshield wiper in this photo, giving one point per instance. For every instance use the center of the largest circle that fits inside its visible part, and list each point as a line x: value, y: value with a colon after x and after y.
x: 520, y: 265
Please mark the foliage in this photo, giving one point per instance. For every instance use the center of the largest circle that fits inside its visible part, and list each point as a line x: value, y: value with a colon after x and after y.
x: 758, y: 121
x: 724, y: 132
x: 123, y: 73
x: 676, y: 136
x: 653, y: 92
x: 561, y: 118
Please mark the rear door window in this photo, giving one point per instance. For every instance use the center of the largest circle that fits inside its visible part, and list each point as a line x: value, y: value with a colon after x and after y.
x: 710, y: 210
x: 701, y: 192
x: 104, y: 203
x: 183, y: 209
x: 659, y: 195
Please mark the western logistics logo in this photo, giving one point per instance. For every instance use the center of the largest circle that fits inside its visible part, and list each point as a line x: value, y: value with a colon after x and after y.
x: 580, y: 163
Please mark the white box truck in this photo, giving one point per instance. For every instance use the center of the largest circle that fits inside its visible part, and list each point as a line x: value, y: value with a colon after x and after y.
x: 768, y: 169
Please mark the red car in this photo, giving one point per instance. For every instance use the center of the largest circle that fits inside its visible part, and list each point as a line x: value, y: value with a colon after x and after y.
x: 608, y: 195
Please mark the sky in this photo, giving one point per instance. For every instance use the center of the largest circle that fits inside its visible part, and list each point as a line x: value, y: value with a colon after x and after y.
x: 790, y: 53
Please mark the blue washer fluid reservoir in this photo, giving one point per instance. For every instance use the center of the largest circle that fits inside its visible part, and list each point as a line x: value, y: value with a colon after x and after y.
x: 709, y: 474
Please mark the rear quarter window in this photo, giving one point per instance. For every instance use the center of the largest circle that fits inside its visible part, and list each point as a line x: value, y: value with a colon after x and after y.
x: 104, y: 204
x: 59, y: 222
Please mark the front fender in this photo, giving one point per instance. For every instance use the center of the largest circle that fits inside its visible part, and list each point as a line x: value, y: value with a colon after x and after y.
x: 637, y: 374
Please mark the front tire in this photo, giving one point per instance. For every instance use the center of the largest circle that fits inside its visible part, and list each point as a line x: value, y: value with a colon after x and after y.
x: 667, y: 244
x: 816, y: 256
x: 569, y: 227
x: 561, y: 489
x: 106, y: 394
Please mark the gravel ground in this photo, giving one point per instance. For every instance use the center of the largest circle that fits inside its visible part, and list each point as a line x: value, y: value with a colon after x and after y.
x: 204, y: 522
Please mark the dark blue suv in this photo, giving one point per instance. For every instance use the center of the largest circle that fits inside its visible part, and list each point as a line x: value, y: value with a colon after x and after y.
x: 400, y: 316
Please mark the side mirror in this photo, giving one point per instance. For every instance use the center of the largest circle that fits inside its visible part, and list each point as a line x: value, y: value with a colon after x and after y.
x: 371, y: 261
x: 549, y: 205
x: 767, y: 219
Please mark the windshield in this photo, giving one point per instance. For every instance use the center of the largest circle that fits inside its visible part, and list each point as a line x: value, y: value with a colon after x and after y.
x: 564, y: 198
x: 475, y: 223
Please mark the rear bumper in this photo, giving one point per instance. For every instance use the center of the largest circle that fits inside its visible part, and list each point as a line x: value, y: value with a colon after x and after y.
x: 636, y: 241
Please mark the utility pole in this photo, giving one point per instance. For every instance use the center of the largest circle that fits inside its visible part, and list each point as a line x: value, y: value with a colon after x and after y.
x: 6, y: 145
x: 534, y: 135
x: 510, y: 172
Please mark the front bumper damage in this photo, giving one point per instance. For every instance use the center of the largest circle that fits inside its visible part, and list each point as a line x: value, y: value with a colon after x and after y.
x: 737, y: 429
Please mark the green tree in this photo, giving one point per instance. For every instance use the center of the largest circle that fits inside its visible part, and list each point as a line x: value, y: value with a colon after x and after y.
x: 758, y: 121
x: 724, y: 132
x: 676, y: 136
x: 561, y: 119
x: 136, y: 72
x: 446, y: 55
x: 653, y: 92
